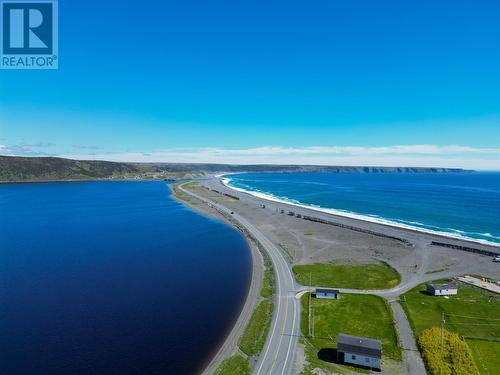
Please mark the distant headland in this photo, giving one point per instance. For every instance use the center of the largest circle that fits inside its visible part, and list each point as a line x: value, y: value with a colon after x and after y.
x: 31, y: 169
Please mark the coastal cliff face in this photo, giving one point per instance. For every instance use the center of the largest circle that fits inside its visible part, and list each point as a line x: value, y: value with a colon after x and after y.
x: 21, y: 169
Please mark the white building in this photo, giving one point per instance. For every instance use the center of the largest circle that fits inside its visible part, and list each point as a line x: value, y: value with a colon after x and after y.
x: 442, y: 290
x: 360, y: 351
x: 327, y: 293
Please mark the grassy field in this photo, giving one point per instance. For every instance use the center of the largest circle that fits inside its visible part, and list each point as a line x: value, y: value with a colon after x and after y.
x: 473, y: 312
x: 485, y: 354
x: 183, y: 196
x: 360, y: 315
x: 268, y: 283
x: 235, y: 365
x: 365, y: 276
x: 253, y: 339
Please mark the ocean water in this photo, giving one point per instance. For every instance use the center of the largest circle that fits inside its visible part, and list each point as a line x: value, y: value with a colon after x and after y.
x: 463, y: 205
x: 113, y: 278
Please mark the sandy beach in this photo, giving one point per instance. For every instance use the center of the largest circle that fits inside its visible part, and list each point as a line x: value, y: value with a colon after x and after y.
x: 409, y: 251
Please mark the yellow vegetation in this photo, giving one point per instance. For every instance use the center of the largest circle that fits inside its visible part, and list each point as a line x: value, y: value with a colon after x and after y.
x: 453, y: 359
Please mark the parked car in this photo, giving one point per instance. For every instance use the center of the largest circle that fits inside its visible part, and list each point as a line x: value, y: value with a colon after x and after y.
x: 496, y: 259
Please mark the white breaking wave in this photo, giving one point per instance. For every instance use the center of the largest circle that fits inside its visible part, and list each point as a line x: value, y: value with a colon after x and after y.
x: 372, y: 219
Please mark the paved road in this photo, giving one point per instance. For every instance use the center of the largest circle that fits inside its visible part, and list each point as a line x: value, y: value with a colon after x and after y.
x: 412, y: 361
x: 278, y: 354
x: 411, y: 356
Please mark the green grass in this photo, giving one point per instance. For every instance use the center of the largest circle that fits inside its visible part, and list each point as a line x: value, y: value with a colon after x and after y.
x: 235, y: 365
x: 183, y: 196
x: 355, y: 314
x: 313, y: 362
x: 359, y: 276
x: 268, y: 287
x: 195, y: 186
x: 253, y: 339
x: 481, y: 306
x: 485, y: 354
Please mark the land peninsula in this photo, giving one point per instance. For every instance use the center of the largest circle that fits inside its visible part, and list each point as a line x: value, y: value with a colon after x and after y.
x: 322, y: 247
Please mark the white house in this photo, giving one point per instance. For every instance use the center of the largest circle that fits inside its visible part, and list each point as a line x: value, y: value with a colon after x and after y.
x: 442, y: 289
x: 327, y: 293
x: 360, y: 351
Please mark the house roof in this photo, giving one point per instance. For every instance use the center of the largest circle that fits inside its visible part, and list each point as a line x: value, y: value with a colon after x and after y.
x: 442, y: 286
x: 327, y: 290
x: 359, y: 345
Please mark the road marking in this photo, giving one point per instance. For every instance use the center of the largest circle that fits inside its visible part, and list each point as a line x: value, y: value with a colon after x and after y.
x: 279, y: 262
x: 293, y: 329
x: 290, y: 339
x: 284, y: 265
x: 275, y: 325
x: 281, y: 336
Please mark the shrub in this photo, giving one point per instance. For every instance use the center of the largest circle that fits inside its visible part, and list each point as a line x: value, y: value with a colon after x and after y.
x: 453, y: 359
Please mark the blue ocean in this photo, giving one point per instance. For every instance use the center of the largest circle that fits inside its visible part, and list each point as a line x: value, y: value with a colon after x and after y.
x: 113, y: 278
x: 458, y: 204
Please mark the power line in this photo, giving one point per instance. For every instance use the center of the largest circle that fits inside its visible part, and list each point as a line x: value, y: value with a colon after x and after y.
x: 473, y: 324
x: 470, y: 317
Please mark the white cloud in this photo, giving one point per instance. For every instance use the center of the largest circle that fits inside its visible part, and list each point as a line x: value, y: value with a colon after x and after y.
x: 452, y: 156
x: 426, y: 155
x: 26, y: 149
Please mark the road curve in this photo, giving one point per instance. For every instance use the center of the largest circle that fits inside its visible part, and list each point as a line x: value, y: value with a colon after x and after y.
x: 278, y: 354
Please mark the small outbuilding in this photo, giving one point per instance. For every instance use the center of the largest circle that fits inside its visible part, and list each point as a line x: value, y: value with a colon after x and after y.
x: 327, y: 293
x: 361, y: 351
x: 442, y: 289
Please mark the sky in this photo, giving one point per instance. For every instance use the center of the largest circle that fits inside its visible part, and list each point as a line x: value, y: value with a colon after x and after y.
x: 407, y: 83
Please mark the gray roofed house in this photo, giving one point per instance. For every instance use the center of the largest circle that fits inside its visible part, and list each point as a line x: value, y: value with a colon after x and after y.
x: 326, y: 290
x: 441, y: 289
x: 358, y: 350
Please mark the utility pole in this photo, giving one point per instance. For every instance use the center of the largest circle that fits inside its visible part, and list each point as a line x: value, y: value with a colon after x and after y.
x: 309, y: 316
x: 442, y: 330
x: 313, y: 323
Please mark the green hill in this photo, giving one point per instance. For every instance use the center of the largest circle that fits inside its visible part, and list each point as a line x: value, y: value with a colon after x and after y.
x: 22, y: 169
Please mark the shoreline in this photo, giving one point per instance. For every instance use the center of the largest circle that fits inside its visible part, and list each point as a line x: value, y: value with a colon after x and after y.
x: 308, y: 240
x: 228, y: 345
x: 352, y: 215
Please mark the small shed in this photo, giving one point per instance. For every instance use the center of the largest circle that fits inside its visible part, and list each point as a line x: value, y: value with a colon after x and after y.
x: 442, y: 289
x: 361, y: 351
x: 327, y: 293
